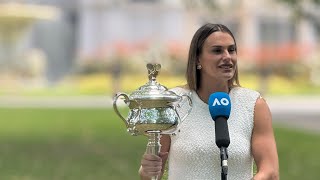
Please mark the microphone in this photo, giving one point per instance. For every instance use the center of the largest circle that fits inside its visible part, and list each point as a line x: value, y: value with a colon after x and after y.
x: 220, y: 107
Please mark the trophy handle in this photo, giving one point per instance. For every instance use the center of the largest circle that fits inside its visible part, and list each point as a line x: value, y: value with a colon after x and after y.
x: 190, y: 104
x: 115, y: 107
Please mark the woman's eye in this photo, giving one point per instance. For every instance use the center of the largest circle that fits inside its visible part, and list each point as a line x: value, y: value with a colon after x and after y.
x: 217, y: 51
x: 232, y: 50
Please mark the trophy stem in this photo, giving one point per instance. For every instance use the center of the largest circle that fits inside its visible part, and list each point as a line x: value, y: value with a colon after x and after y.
x: 153, y: 146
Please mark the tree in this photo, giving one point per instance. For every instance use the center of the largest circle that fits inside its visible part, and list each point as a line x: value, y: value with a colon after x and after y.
x: 305, y: 10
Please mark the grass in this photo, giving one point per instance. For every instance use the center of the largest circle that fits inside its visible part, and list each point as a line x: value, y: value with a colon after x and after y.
x: 298, y: 154
x: 68, y: 144
x: 87, y: 144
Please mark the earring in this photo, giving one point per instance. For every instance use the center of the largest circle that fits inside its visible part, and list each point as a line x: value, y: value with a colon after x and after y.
x: 199, y: 66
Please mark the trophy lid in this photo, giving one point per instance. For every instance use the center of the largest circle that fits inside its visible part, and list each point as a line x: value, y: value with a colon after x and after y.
x: 152, y: 91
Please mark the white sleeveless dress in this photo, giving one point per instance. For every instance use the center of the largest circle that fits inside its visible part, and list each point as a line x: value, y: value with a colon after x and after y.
x: 193, y: 153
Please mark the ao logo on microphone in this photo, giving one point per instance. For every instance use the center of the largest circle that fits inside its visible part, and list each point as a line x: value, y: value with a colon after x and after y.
x: 223, y: 101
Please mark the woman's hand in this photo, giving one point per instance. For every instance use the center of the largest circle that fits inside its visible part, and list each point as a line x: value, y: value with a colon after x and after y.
x: 261, y: 176
x: 152, y: 165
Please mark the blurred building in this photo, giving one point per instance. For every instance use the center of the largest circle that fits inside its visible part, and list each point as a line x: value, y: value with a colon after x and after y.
x: 97, y: 29
x: 58, y: 39
x: 257, y: 25
x: 106, y: 25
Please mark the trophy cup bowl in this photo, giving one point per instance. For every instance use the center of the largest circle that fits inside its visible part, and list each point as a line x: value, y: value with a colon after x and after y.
x: 153, y: 110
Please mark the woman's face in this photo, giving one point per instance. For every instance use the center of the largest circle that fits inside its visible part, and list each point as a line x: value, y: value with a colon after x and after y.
x: 218, y: 57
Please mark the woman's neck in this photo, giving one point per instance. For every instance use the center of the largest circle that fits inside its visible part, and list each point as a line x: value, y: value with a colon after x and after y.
x: 205, y: 91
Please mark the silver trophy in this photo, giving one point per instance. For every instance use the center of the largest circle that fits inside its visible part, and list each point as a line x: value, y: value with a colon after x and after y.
x: 153, y: 110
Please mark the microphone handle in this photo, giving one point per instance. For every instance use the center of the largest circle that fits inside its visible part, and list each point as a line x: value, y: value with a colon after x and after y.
x: 224, y: 162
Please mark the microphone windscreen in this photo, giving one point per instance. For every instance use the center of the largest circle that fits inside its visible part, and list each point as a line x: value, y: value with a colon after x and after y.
x: 219, y: 105
x: 222, y: 132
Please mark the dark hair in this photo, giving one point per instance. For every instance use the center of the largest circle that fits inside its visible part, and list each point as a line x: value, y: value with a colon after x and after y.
x: 192, y: 73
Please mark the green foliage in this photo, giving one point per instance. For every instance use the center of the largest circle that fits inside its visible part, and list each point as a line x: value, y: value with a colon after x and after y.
x: 300, y: 11
x: 291, y: 2
x: 295, y: 2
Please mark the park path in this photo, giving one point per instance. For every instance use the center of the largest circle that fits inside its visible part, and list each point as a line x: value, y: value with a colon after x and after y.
x: 298, y: 112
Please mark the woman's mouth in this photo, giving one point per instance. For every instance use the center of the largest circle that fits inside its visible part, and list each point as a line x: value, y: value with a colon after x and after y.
x: 226, y: 66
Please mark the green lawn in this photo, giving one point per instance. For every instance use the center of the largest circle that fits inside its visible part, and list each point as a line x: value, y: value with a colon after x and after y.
x: 92, y: 144
x: 298, y: 154
x: 66, y: 144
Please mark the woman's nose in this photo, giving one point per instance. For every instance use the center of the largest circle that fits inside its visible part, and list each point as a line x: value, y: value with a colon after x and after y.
x: 226, y: 55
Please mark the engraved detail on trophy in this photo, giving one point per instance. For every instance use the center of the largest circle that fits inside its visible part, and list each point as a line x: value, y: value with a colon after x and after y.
x: 152, y: 110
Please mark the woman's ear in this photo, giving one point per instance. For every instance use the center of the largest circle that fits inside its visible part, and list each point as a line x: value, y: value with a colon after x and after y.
x: 199, y: 66
x: 198, y: 61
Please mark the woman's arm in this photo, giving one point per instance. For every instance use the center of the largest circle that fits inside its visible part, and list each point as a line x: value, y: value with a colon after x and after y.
x: 263, y: 144
x: 149, y: 163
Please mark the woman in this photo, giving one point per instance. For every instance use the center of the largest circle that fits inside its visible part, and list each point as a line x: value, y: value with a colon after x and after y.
x: 193, y: 154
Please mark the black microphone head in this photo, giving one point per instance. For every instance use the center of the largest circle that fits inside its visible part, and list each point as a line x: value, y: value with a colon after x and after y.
x: 222, y: 132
